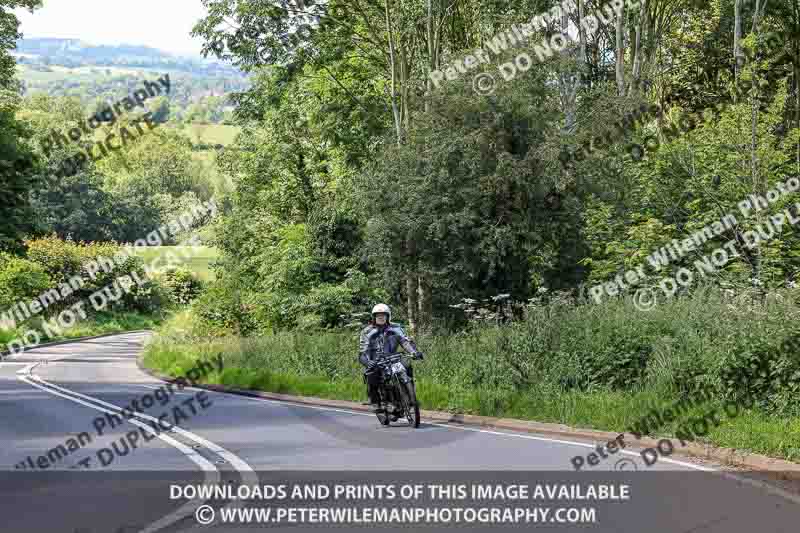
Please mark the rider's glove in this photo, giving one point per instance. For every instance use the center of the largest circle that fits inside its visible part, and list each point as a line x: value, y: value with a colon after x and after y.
x: 371, y: 364
x: 419, y: 355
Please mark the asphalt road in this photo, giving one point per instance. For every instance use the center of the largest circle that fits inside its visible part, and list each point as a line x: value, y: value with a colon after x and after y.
x: 65, y: 468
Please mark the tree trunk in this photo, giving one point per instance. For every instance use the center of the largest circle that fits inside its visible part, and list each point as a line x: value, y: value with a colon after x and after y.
x: 637, y: 49
x: 581, y: 38
x: 565, y: 85
x: 797, y: 104
x: 758, y: 12
x: 431, y: 54
x: 738, y: 58
x: 756, y: 265
x: 796, y: 63
x: 423, y: 304
x: 393, y: 67
x: 405, y: 108
x: 411, y: 301
x: 569, y: 85
x: 620, y: 71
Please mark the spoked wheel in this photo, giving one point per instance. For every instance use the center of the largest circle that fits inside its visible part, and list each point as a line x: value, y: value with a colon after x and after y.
x: 383, y: 418
x: 410, y: 404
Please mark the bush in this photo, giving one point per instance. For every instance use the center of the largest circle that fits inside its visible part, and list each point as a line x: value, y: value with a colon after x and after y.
x: 704, y: 341
x: 331, y: 304
x: 61, y: 259
x: 181, y: 286
x: 221, y: 309
x: 65, y: 259
x: 766, y: 373
x: 20, y: 279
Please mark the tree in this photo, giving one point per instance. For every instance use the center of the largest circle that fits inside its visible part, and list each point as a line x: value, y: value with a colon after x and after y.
x: 17, y: 176
x: 17, y: 161
x: 160, y: 161
x: 159, y: 107
x: 9, y: 34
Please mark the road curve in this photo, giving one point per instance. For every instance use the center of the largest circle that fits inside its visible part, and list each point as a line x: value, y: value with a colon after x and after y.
x: 50, y: 396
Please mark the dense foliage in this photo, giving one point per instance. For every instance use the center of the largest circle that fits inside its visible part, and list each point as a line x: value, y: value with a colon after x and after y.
x: 537, y: 367
x: 355, y: 166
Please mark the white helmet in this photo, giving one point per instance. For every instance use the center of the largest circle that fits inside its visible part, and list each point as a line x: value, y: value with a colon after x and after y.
x: 382, y: 308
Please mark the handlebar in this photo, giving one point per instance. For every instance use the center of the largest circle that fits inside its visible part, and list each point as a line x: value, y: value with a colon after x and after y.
x: 382, y: 359
x: 394, y: 356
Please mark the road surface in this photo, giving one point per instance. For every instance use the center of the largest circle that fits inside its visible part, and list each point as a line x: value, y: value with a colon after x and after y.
x: 73, y: 463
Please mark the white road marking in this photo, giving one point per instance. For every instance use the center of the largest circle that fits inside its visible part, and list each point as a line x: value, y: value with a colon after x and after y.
x: 212, y: 475
x: 245, y: 471
x: 176, y: 393
x: 27, y: 369
x: 233, y: 459
x: 755, y: 483
x: 95, y: 358
x: 478, y: 430
x: 250, y: 475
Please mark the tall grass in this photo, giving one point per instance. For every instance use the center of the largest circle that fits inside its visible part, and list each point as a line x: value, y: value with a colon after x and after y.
x: 95, y: 324
x: 599, y: 366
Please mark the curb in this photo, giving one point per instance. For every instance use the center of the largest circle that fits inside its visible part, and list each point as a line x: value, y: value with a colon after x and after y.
x: 777, y: 468
x: 5, y: 354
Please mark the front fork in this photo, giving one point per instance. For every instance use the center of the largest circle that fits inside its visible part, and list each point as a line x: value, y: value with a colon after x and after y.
x: 388, y: 390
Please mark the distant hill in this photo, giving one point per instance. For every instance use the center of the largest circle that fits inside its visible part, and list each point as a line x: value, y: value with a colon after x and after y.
x: 61, y: 67
x: 75, y: 53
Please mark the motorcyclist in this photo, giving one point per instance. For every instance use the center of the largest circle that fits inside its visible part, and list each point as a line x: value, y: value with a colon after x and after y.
x: 381, y: 336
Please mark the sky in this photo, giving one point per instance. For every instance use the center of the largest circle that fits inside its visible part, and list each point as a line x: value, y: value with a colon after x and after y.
x: 162, y: 24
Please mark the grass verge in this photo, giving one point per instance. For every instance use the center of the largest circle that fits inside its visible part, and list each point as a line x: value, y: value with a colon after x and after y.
x: 517, y: 372
x: 96, y: 324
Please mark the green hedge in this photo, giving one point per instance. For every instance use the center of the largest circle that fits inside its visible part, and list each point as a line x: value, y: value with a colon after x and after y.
x: 731, y: 346
x: 602, y: 366
x: 180, y: 285
x: 52, y: 263
x: 20, y: 279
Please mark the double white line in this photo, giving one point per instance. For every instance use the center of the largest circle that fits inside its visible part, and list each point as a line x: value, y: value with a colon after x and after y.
x: 212, y: 474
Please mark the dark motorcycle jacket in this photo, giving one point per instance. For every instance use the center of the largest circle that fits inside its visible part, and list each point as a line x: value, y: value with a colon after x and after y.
x: 382, y: 339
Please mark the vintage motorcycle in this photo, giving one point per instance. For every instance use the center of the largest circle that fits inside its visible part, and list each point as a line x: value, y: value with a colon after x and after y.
x: 397, y: 391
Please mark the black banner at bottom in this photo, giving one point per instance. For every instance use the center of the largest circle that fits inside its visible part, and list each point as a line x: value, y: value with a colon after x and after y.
x: 619, y: 502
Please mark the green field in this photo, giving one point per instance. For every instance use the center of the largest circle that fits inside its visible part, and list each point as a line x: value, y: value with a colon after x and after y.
x: 211, y: 133
x: 199, y: 260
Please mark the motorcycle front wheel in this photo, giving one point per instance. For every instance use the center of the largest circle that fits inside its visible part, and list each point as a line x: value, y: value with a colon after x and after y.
x: 410, y: 404
x: 383, y: 416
